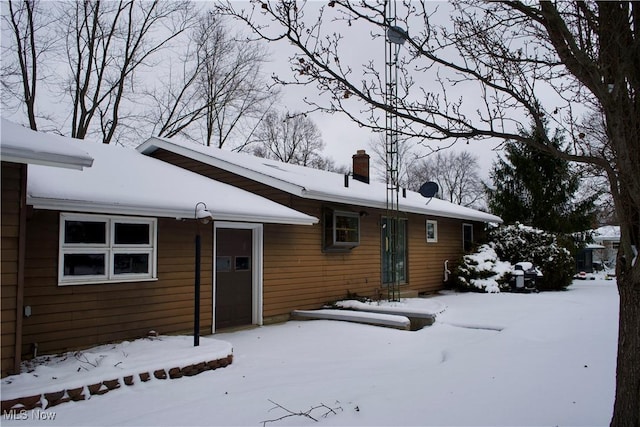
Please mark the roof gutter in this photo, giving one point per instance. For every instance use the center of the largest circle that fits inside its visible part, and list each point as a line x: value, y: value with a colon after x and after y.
x: 328, y: 197
x: 19, y: 155
x: 109, y: 208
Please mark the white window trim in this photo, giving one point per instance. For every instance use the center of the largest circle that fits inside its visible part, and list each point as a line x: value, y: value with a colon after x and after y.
x: 109, y: 249
x: 435, y: 231
x: 334, y: 244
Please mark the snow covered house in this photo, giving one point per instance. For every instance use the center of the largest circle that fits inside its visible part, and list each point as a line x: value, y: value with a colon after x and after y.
x: 609, y: 238
x: 109, y: 251
x: 346, y: 251
x: 20, y: 147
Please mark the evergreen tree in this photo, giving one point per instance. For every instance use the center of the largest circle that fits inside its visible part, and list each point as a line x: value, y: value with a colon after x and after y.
x: 539, y: 190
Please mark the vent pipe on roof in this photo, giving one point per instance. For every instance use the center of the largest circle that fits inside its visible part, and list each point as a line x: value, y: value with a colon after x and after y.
x: 361, y: 166
x: 346, y: 180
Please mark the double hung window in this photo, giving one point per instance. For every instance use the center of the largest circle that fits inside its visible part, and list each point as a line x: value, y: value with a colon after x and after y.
x: 100, y: 249
x: 341, y: 230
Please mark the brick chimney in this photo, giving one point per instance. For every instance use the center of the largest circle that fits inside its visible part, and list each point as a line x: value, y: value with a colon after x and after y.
x: 361, y: 166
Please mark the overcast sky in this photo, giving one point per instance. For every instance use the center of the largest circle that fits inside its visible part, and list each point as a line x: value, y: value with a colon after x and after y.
x: 342, y: 136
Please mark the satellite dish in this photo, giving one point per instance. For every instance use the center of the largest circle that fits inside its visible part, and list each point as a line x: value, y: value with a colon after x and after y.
x: 429, y: 189
x: 397, y: 35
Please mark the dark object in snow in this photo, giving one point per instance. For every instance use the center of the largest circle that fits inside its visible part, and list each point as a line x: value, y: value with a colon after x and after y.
x: 429, y: 189
x: 524, y: 277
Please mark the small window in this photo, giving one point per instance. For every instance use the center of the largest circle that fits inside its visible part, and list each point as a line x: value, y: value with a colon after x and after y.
x: 84, y: 264
x: 101, y: 249
x: 432, y: 231
x: 130, y: 263
x: 467, y: 237
x: 341, y: 230
x: 132, y: 234
x: 85, y: 232
x: 243, y: 263
x: 223, y: 264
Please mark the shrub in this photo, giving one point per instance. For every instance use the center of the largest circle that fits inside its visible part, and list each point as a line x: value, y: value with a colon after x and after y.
x: 489, y: 269
x: 482, y: 272
x: 515, y: 243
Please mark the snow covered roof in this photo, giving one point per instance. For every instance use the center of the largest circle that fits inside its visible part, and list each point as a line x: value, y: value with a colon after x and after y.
x: 594, y: 246
x: 21, y: 145
x: 609, y: 233
x: 312, y: 183
x: 123, y: 181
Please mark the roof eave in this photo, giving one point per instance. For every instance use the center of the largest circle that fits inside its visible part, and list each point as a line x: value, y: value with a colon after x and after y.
x: 154, y: 143
x: 328, y: 197
x: 18, y: 155
x: 158, y: 212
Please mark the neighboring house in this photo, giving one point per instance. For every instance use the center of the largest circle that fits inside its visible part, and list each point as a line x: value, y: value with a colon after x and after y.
x: 18, y: 148
x: 609, y: 237
x: 587, y: 258
x: 347, y: 251
x: 109, y: 252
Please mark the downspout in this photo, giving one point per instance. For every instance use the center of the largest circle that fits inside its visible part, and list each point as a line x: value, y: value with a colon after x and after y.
x: 22, y: 238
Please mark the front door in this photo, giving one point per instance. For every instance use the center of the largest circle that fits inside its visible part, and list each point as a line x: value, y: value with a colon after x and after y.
x: 233, y: 303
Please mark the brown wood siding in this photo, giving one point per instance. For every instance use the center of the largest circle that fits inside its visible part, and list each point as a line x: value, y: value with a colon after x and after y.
x: 299, y: 275
x: 10, y: 226
x: 426, y: 260
x: 78, y: 316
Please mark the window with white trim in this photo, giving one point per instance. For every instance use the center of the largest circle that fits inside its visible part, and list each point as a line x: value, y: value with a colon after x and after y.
x: 432, y: 231
x: 103, y: 249
x: 341, y: 230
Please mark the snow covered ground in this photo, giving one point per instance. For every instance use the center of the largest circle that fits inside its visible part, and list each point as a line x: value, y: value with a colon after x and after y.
x: 490, y: 359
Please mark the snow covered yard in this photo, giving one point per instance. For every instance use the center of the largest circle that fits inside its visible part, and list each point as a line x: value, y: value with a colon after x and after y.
x: 490, y: 359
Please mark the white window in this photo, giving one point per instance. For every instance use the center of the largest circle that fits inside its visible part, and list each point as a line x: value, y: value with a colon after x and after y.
x: 101, y: 249
x: 341, y: 230
x: 432, y: 231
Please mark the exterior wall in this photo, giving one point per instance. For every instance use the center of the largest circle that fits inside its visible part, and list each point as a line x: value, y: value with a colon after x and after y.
x: 426, y: 260
x: 299, y: 275
x: 78, y: 316
x: 13, y: 176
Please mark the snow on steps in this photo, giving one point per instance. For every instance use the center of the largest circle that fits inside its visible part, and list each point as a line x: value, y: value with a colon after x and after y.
x: 419, y: 317
x: 395, y: 315
x: 378, y: 319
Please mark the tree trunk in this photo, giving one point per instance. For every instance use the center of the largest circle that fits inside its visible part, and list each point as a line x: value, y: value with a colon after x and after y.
x: 627, y: 408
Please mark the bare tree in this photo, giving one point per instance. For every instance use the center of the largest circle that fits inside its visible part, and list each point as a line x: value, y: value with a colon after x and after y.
x: 525, y: 62
x: 457, y: 175
x: 289, y: 138
x: 232, y: 83
x: 20, y: 61
x: 215, y: 91
x: 406, y: 159
x: 107, y: 42
x: 594, y: 179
